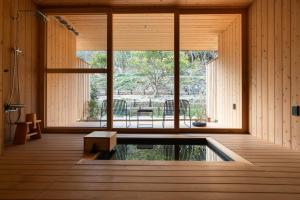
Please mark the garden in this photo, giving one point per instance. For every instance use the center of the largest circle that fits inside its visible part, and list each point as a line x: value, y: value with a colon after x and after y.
x: 146, y: 79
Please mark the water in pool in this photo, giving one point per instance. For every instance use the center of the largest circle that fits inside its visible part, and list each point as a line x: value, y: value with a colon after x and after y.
x: 182, y: 152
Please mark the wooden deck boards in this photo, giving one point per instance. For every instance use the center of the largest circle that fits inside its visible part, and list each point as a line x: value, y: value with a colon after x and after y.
x: 47, y: 169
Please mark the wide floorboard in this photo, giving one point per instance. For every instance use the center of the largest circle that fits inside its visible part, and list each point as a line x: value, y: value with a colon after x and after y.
x: 49, y: 169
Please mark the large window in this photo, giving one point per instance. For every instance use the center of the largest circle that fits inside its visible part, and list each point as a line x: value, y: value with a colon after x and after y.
x: 143, y: 70
x: 117, y: 70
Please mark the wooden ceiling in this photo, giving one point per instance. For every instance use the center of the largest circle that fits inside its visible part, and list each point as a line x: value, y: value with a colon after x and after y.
x: 150, y: 31
x: 92, y: 31
x: 200, y: 32
x: 200, y: 3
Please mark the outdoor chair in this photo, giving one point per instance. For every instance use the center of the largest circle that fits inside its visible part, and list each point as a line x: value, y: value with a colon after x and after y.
x: 184, y: 111
x: 119, y: 108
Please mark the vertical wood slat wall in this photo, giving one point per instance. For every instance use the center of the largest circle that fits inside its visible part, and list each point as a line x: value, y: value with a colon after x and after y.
x: 1, y: 74
x: 211, y: 89
x: 224, y: 79
x: 67, y: 93
x: 28, y: 60
x: 274, y: 69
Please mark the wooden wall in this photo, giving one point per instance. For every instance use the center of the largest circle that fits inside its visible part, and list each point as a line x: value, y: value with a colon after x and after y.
x: 67, y: 93
x: 225, y: 79
x: 61, y: 45
x: 211, y: 89
x: 274, y: 69
x: 83, y: 90
x: 28, y: 61
x: 1, y: 74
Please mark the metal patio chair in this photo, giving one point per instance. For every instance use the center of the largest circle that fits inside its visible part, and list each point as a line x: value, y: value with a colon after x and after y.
x: 119, y: 108
x: 184, y: 111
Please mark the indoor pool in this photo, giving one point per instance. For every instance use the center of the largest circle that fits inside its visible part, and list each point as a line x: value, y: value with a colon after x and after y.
x: 164, y: 149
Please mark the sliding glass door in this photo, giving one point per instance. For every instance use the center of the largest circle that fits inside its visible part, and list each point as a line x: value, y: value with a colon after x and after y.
x: 143, y: 80
x: 123, y: 70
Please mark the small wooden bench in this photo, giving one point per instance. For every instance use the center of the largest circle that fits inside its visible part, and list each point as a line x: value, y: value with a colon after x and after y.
x: 100, y: 141
x: 30, y: 129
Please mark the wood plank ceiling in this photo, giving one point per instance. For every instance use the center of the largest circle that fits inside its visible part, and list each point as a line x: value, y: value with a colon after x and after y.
x: 150, y: 31
x: 203, y: 3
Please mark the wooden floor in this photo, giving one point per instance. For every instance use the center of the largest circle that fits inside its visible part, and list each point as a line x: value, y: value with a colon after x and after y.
x: 47, y: 169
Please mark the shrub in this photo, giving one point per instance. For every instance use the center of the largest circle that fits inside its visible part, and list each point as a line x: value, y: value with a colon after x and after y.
x: 94, y: 109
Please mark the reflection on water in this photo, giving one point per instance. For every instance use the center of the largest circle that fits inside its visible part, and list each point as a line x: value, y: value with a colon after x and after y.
x: 163, y: 152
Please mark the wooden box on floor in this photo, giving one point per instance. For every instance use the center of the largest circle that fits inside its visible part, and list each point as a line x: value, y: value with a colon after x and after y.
x: 100, y: 141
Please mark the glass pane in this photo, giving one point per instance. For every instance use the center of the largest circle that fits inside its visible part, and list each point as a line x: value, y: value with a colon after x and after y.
x: 210, y: 71
x: 77, y: 41
x: 143, y: 70
x: 76, y: 100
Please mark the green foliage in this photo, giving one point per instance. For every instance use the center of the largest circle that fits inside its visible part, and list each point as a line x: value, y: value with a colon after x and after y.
x: 97, y: 84
x: 99, y: 60
x: 154, y: 69
x: 128, y: 81
x: 151, y: 71
x: 122, y: 61
x: 94, y: 109
x: 198, y: 112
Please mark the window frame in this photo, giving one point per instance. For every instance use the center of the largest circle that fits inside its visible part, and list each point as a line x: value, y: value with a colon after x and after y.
x: 109, y: 11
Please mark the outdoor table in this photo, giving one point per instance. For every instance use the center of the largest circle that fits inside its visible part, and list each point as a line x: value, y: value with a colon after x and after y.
x: 140, y: 112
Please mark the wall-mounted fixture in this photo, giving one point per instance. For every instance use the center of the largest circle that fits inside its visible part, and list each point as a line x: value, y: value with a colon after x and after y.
x: 67, y: 25
x: 13, y: 107
x: 234, y: 106
x: 37, y: 12
x: 296, y: 111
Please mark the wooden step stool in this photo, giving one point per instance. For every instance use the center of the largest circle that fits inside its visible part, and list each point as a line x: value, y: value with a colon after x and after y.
x: 30, y: 129
x: 100, y: 141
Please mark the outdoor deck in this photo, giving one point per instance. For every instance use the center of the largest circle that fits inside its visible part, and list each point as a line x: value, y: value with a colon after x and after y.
x: 47, y: 169
x: 147, y: 124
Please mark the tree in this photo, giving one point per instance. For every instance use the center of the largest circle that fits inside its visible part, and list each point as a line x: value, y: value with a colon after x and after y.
x: 99, y: 60
x: 155, y: 68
